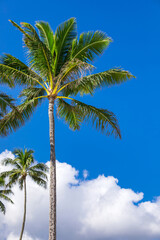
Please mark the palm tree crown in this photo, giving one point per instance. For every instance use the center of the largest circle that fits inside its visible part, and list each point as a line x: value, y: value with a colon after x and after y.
x: 59, y: 64
x: 22, y: 167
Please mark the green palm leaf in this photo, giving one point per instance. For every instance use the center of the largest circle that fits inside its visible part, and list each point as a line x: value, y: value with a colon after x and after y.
x: 6, y: 101
x: 17, y: 72
x: 89, y: 46
x: 38, y: 180
x: 64, y: 36
x: 46, y: 34
x: 88, y: 84
x: 12, y: 121
x: 101, y: 119
x: 4, y: 195
x: 38, y: 54
x: 2, y: 207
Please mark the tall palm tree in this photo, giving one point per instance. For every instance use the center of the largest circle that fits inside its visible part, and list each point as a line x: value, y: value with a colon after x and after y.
x: 23, y: 166
x: 4, y: 195
x: 59, y: 69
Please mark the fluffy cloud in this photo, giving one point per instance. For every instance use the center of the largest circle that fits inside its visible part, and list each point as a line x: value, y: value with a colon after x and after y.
x: 97, y: 209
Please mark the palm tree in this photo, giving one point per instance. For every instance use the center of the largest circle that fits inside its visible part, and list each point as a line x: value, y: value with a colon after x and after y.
x: 4, y: 195
x: 23, y: 166
x: 59, y: 69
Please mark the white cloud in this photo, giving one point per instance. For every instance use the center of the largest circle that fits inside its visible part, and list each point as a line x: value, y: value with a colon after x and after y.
x: 97, y: 209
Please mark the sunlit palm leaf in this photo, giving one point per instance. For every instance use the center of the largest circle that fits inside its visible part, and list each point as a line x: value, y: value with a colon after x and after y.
x: 89, y: 46
x: 28, y: 78
x: 88, y: 84
x: 101, y: 119
x: 64, y: 36
x: 38, y: 54
x: 46, y: 34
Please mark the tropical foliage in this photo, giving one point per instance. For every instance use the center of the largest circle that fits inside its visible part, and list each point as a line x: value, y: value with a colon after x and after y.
x: 22, y: 167
x: 4, y: 192
x: 59, y: 69
x: 58, y: 64
x: 5, y: 103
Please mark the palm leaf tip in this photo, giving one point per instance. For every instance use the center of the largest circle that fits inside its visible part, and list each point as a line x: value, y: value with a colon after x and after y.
x: 101, y: 119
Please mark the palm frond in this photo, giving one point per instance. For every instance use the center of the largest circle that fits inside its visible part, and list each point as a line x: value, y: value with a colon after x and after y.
x: 41, y: 182
x: 12, y: 121
x: 6, y: 101
x: 88, y: 84
x: 46, y: 34
x: 2, y: 207
x: 11, y: 75
x: 40, y: 166
x: 101, y: 119
x: 13, y: 178
x: 4, y: 195
x: 71, y: 115
x: 2, y: 182
x: 90, y: 45
x: 23, y: 75
x: 31, y: 93
x: 38, y: 54
x: 37, y: 173
x: 12, y: 162
x: 21, y: 183
x: 5, y: 192
x: 64, y: 36
x: 72, y: 70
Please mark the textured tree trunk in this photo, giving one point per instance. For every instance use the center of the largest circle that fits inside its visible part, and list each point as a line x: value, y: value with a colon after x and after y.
x: 52, y: 205
x: 24, y: 216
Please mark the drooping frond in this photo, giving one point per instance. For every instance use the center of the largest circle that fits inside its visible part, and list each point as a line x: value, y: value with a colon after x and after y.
x: 38, y: 180
x: 16, y: 71
x: 12, y: 162
x: 64, y: 36
x: 13, y: 120
x: 5, y: 102
x: 88, y: 84
x: 40, y: 167
x: 38, y: 173
x: 46, y: 34
x: 71, y: 115
x: 101, y: 119
x: 89, y: 45
x: 4, y: 193
x: 39, y: 55
x: 2, y: 207
x: 13, y: 176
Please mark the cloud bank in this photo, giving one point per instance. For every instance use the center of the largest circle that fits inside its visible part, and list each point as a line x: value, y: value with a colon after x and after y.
x: 97, y: 209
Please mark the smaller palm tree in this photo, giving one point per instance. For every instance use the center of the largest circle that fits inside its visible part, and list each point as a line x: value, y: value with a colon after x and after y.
x: 4, y: 195
x: 23, y: 166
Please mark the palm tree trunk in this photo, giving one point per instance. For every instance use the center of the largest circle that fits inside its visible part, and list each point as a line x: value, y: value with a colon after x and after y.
x: 52, y: 206
x: 24, y: 216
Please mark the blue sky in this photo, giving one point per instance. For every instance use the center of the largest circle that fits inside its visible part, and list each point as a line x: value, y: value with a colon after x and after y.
x: 134, y: 28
